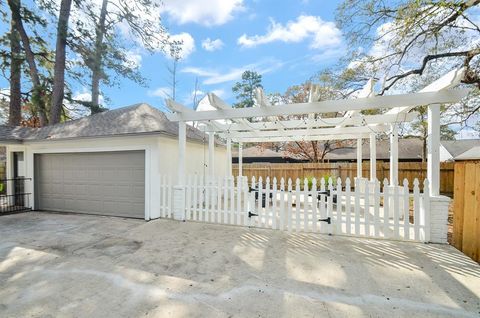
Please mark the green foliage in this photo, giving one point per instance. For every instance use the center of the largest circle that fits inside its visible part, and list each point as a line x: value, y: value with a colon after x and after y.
x: 245, y: 90
x: 408, y: 36
x: 319, y: 180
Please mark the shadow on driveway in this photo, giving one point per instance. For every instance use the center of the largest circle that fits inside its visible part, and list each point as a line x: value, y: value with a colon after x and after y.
x: 83, y: 266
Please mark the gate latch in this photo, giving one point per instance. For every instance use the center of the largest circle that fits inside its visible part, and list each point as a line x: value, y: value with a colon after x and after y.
x: 250, y: 214
x: 328, y: 220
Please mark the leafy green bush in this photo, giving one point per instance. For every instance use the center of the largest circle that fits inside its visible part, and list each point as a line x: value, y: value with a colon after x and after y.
x: 310, y: 181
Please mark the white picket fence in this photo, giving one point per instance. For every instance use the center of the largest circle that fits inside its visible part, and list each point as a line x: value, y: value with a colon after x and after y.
x: 364, y: 208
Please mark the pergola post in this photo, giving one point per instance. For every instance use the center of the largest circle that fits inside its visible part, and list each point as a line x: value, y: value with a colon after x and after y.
x: 211, y: 154
x: 373, y: 157
x: 433, y: 145
x: 439, y: 205
x: 240, y: 159
x: 359, y: 158
x: 179, y: 189
x: 229, y: 157
x: 394, y: 155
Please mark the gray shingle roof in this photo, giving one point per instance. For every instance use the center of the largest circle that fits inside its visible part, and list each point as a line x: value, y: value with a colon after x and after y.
x: 135, y: 119
x: 471, y: 154
x: 259, y: 152
x: 457, y: 147
x: 410, y: 148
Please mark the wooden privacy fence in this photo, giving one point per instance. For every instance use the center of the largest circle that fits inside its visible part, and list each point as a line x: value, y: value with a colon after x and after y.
x: 406, y: 170
x: 466, y: 216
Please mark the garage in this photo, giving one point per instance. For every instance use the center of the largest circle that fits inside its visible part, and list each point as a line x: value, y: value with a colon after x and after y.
x: 104, y: 183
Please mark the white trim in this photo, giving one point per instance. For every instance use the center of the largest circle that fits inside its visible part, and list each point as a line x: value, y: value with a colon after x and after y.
x: 447, y: 81
x: 373, y: 157
x: 359, y: 157
x: 229, y: 157
x: 30, y: 162
x: 305, y: 132
x: 306, y: 137
x: 392, y: 101
x: 433, y: 145
x: 317, y: 122
x: 394, y: 155
x: 240, y: 159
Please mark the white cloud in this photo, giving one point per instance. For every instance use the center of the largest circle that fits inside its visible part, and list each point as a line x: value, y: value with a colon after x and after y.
x: 204, y: 12
x: 162, y: 92
x: 199, y: 71
x: 133, y: 59
x: 212, y: 45
x: 218, y: 77
x: 322, y: 34
x: 187, y: 44
x: 86, y: 96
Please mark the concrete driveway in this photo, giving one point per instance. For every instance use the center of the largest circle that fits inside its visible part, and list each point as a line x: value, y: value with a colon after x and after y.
x: 54, y: 265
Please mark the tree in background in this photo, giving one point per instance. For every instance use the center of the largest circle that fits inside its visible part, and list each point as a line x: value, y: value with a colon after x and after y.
x: 92, y: 43
x: 15, y: 104
x: 96, y: 39
x: 326, y: 88
x: 396, y: 42
x: 20, y: 15
x: 175, y: 53
x: 245, y: 90
x: 419, y: 129
x: 406, y: 36
x: 60, y: 57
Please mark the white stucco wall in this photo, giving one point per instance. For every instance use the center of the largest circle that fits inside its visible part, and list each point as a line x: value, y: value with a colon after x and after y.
x: 197, y: 157
x: 161, y: 158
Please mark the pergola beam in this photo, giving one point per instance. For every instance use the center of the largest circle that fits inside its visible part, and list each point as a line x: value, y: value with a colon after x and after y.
x: 319, y: 122
x: 302, y: 138
x: 392, y: 101
x: 306, y: 132
x: 446, y: 82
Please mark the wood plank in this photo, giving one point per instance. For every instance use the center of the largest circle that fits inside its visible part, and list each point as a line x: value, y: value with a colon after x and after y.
x: 476, y: 217
x: 469, y: 230
x: 459, y: 201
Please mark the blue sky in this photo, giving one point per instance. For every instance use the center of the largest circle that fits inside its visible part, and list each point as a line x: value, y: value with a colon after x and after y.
x: 285, y: 41
x: 243, y: 35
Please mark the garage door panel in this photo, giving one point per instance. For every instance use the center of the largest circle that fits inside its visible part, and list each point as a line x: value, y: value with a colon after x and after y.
x: 107, y: 183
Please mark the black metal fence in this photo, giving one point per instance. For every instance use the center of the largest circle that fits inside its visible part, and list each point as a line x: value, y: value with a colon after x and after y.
x: 13, y: 195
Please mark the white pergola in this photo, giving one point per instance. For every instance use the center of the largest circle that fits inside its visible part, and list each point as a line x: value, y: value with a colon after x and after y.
x: 234, y: 125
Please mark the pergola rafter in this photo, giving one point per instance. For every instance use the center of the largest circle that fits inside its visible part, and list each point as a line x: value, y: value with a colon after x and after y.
x: 303, y: 138
x: 267, y: 134
x: 269, y: 122
x: 316, y: 122
x: 377, y: 102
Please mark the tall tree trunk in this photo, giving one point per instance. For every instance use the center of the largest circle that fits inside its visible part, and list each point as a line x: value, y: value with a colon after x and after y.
x: 60, y: 55
x: 15, y: 109
x: 37, y: 95
x: 97, y: 71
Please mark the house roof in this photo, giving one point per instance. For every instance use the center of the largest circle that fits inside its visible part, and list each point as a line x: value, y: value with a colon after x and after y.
x: 458, y: 147
x: 471, y: 154
x: 410, y: 148
x: 260, y: 152
x: 135, y: 119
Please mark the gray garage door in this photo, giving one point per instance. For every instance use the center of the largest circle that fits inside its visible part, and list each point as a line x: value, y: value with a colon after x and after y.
x: 106, y: 183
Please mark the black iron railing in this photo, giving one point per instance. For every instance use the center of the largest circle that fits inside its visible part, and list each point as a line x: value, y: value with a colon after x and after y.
x: 13, y: 195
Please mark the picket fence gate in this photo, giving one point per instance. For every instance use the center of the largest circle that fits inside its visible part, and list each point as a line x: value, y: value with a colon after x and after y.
x: 361, y: 208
